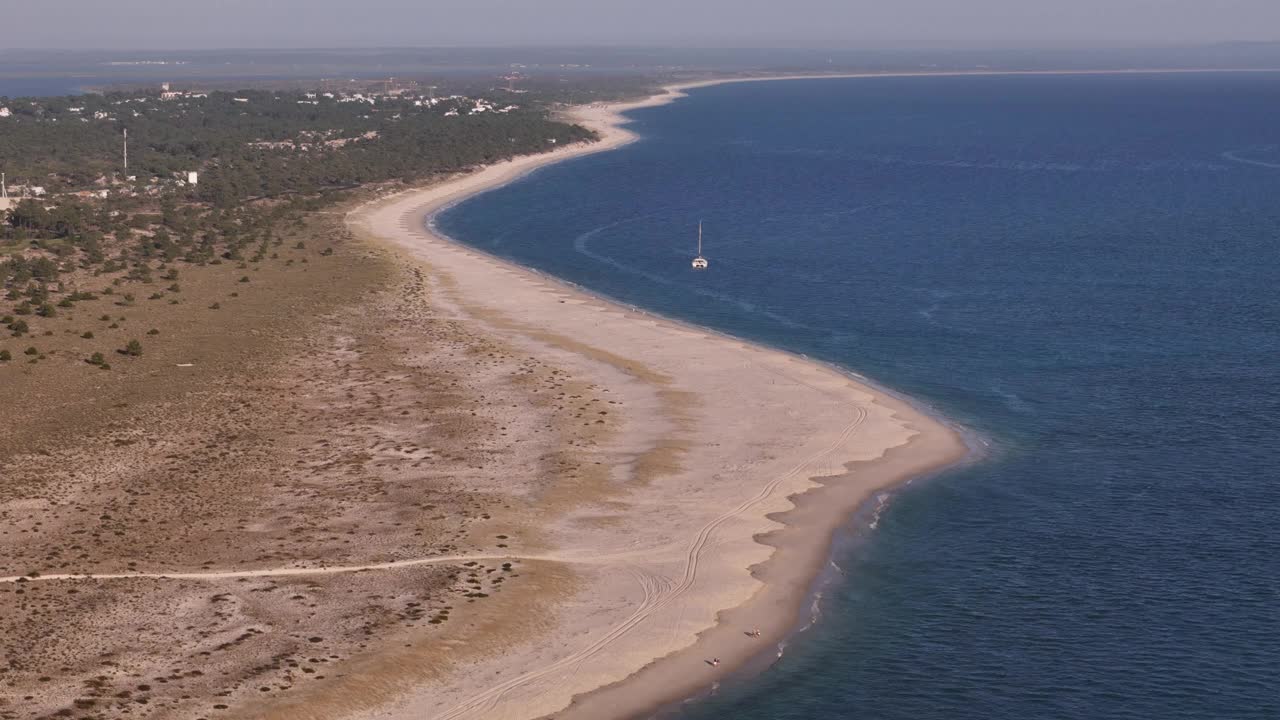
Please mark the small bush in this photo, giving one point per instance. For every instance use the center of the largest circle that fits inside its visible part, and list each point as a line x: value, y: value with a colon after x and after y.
x: 153, y: 331
x: 5, y: 356
x: 88, y: 335
x: 96, y: 359
x: 32, y: 351
x: 215, y: 306
x: 132, y: 349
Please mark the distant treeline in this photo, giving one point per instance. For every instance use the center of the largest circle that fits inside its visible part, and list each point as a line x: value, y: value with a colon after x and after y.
x: 75, y: 142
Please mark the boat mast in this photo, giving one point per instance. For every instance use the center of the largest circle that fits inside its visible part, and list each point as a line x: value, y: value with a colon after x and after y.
x: 699, y: 238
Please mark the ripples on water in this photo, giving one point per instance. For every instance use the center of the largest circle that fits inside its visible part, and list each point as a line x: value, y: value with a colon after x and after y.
x: 1083, y: 268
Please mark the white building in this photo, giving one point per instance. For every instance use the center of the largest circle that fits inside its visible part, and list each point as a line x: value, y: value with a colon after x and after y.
x: 193, y: 178
x: 5, y: 112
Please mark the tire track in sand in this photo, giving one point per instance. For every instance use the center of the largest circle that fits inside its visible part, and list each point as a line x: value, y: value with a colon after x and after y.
x: 483, y: 702
x: 654, y: 599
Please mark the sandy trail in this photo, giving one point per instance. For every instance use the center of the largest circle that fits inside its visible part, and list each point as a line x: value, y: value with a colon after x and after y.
x: 293, y: 571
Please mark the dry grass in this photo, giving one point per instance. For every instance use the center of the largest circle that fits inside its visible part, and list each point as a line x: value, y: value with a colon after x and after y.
x: 330, y: 416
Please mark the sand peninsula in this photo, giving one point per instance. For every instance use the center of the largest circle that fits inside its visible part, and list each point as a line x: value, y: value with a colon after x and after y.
x: 728, y: 470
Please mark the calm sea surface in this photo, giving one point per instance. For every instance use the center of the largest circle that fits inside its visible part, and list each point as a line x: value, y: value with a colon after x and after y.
x: 1085, y: 270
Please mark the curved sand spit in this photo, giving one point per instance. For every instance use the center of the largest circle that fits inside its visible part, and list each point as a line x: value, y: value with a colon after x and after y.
x: 689, y: 556
x: 716, y: 523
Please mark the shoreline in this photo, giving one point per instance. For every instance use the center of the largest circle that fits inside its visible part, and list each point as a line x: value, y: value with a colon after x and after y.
x: 790, y: 537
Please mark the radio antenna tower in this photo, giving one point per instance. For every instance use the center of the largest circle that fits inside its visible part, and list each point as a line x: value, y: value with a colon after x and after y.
x: 126, y: 151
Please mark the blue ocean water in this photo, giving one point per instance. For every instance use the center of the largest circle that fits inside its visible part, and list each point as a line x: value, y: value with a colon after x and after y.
x: 1085, y: 270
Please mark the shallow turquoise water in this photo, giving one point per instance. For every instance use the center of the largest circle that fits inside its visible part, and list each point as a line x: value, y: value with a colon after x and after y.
x: 1085, y: 270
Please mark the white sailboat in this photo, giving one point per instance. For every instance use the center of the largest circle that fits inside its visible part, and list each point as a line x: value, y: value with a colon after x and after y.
x: 699, y: 262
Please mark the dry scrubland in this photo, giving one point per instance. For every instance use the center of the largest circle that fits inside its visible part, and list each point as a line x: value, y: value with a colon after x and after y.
x: 330, y: 416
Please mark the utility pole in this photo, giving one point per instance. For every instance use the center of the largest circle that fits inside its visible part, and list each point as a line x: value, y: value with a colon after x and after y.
x: 4, y: 191
x: 126, y: 152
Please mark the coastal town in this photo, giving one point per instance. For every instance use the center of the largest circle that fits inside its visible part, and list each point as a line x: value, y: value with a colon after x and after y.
x: 370, y: 104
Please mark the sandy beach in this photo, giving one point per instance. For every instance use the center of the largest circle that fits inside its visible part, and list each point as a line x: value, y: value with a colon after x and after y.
x: 728, y: 470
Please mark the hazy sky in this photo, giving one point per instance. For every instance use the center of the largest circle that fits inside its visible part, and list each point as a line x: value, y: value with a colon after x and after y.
x: 906, y: 24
